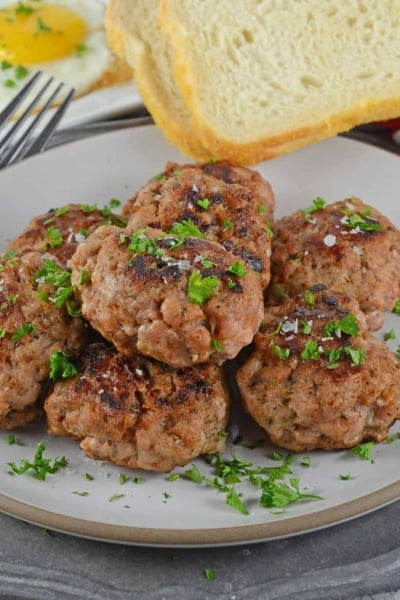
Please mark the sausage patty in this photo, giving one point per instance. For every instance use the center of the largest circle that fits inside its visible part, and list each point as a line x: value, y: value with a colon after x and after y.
x: 59, y: 231
x: 318, y: 377
x: 228, y: 204
x: 31, y: 330
x: 139, y: 413
x: 182, y: 300
x: 348, y: 245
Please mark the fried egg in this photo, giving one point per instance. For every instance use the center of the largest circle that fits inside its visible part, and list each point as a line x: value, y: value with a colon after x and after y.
x: 63, y: 38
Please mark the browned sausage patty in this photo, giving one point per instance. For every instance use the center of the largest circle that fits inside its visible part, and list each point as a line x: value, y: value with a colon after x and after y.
x: 230, y: 205
x: 349, y: 246
x: 31, y: 330
x: 182, y: 300
x: 139, y: 413
x: 318, y: 377
x: 59, y: 231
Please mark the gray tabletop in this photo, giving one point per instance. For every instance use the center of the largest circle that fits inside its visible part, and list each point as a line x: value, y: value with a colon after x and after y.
x: 356, y: 559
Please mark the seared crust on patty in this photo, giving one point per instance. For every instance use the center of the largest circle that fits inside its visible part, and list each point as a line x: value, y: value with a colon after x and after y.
x: 139, y: 413
x: 349, y: 246
x: 31, y: 330
x: 136, y: 291
x: 230, y: 205
x: 318, y: 378
x: 59, y: 231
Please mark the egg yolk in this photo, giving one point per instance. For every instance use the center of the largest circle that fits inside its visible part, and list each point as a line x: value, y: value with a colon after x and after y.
x: 36, y: 32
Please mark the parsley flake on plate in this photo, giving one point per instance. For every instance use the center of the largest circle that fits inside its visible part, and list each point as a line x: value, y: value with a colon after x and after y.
x: 39, y: 465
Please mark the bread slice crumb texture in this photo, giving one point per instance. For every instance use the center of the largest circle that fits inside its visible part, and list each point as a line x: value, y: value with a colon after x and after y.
x: 256, y: 74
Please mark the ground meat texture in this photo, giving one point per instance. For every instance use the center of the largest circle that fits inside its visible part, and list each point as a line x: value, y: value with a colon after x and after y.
x: 59, y: 231
x: 348, y: 245
x: 137, y: 293
x: 303, y: 385
x: 31, y: 330
x: 230, y: 205
x: 140, y: 413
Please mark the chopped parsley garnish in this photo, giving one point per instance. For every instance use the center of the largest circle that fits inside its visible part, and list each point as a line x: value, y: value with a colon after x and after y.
x: 356, y: 354
x: 89, y: 477
x: 42, y: 27
x: 347, y: 325
x: 363, y: 450
x: 12, y: 440
x: 55, y: 236
x: 396, y: 307
x: 281, y: 494
x: 309, y: 298
x: 216, y: 344
x: 23, y: 9
x: 40, y: 466
x: 3, y: 332
x: 139, y: 243
x: 84, y: 277
x: 306, y: 461
x: 82, y: 494
x: 260, y: 209
x: 5, y: 65
x: 88, y: 208
x: 226, y: 224
x: 122, y: 478
x: 346, y: 477
x: 355, y: 220
x: 237, y: 268
x: 81, y: 49
x: 115, y: 497
x: 21, y: 72
x: 268, y: 229
x: 207, y: 263
x: 62, y: 210
x: 334, y: 356
x: 194, y: 474
x: 61, y: 366
x: 390, y: 335
x: 277, y: 485
x: 281, y: 353
x: 174, y: 477
x: 186, y: 229
x: 209, y: 574
x: 311, y: 351
x: 306, y: 327
x: 23, y: 329
x: 317, y: 204
x: 200, y: 289
x: 204, y: 203
x: 60, y: 278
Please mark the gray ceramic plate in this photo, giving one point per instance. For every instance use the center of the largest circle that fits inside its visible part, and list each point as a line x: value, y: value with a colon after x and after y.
x: 158, y: 511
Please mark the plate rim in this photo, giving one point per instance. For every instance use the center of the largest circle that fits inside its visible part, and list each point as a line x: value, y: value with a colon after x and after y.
x: 202, y: 537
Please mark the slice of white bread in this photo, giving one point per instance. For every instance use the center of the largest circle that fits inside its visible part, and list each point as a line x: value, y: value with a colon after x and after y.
x: 133, y: 35
x: 262, y: 77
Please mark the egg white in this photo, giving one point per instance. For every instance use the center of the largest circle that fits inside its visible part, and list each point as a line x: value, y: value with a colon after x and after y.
x: 80, y: 70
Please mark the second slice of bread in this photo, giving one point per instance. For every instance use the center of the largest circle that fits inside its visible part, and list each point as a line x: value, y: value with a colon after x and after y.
x: 133, y: 35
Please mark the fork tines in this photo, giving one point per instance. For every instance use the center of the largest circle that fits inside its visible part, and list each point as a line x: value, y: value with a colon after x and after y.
x: 28, y: 133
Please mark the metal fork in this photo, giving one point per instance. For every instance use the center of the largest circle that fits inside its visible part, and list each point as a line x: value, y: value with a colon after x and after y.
x: 25, y: 137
